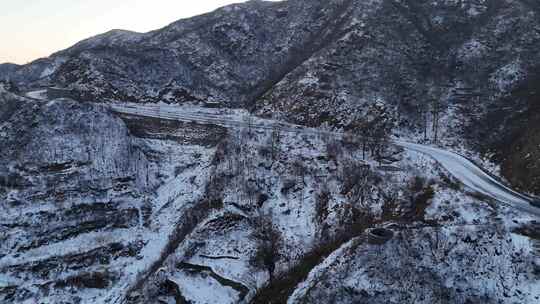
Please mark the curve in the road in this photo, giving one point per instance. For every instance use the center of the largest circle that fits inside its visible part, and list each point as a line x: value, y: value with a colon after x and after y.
x: 474, y: 177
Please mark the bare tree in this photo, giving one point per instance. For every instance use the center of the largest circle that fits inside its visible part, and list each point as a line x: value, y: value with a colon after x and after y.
x: 300, y: 172
x: 334, y: 149
x: 322, y: 202
x: 436, y: 109
x: 374, y: 129
x: 275, y: 141
x: 357, y: 179
x: 425, y: 113
x: 269, y: 241
x: 441, y: 245
x: 248, y: 121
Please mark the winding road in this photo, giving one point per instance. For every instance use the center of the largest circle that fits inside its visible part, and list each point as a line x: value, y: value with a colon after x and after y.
x: 474, y: 177
x: 460, y: 167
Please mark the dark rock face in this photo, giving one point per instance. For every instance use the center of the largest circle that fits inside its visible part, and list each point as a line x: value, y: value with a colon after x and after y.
x: 510, y: 133
x: 181, y: 132
x: 68, y: 137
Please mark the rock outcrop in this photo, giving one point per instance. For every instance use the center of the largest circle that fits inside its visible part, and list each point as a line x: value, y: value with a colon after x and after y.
x: 71, y: 181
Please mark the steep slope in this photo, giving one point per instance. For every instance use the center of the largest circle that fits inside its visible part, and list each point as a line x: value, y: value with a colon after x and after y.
x: 454, y: 73
x: 8, y: 68
x: 89, y: 202
x: 71, y: 192
x: 230, y: 56
x: 510, y: 134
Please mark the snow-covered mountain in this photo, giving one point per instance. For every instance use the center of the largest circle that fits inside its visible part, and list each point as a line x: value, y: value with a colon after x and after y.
x: 179, y: 170
x: 232, y: 55
x: 317, y: 62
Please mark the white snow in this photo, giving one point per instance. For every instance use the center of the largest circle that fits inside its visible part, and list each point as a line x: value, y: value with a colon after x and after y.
x: 39, y: 94
x: 315, y: 273
x: 506, y: 77
x: 171, y: 199
x: 204, y: 290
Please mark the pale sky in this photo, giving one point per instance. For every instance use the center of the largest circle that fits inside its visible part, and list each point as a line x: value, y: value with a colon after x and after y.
x: 31, y: 29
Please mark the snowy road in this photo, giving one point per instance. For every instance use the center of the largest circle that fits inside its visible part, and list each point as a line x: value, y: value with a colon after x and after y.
x: 37, y: 95
x: 474, y: 177
x: 461, y: 168
x: 227, y: 118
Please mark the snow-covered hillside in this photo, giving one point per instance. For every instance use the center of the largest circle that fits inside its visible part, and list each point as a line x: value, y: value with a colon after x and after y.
x: 262, y: 153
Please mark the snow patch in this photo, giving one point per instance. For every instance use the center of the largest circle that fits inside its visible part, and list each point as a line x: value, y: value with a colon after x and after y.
x: 508, y: 76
